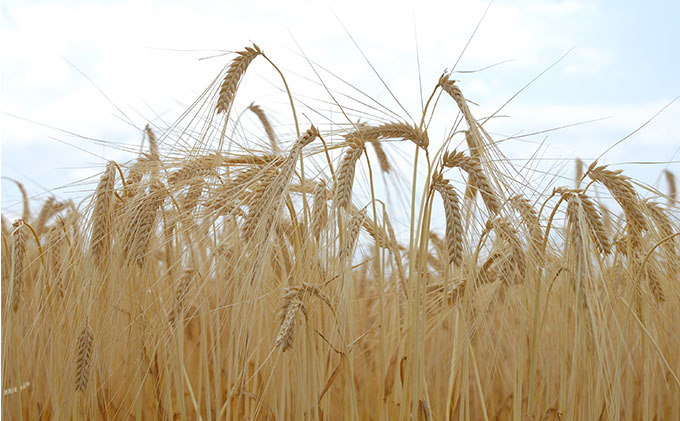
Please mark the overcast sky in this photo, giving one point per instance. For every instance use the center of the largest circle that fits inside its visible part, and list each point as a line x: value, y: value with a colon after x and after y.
x: 81, y: 79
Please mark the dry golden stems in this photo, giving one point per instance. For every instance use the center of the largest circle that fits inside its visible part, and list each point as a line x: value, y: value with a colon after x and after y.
x: 454, y: 220
x: 267, y: 126
x: 345, y: 177
x: 401, y: 131
x: 143, y: 224
x: 18, y: 251
x: 472, y: 166
x: 237, y: 69
x: 84, y: 357
x: 625, y: 195
x: 319, y: 209
x: 672, y: 189
x: 102, y: 216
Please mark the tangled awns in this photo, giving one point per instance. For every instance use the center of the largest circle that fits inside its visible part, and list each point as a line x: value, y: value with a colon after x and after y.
x: 288, y: 272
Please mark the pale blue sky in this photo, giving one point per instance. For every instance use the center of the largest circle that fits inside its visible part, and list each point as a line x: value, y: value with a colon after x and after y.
x: 624, y: 65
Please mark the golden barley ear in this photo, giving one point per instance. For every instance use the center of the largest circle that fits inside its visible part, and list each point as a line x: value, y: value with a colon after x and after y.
x: 84, y: 356
x: 237, y: 69
x: 672, y: 188
x: 454, y: 219
x: 267, y: 126
x: 102, y: 216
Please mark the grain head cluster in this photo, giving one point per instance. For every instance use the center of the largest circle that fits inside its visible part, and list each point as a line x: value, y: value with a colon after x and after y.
x: 283, y: 280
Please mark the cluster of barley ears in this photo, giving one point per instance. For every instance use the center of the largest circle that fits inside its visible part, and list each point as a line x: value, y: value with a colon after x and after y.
x: 279, y: 280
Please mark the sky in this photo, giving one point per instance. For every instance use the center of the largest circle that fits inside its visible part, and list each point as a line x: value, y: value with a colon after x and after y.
x: 79, y: 80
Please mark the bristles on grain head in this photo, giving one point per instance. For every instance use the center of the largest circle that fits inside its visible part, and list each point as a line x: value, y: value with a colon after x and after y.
x: 235, y: 73
x: 83, y: 358
x: 102, y: 215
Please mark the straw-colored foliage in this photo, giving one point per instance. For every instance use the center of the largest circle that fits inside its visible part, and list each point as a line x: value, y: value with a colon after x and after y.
x: 225, y: 283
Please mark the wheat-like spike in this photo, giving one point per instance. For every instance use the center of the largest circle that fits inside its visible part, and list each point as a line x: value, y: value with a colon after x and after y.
x: 574, y: 226
x: 597, y: 230
x: 153, y: 144
x: 654, y: 284
x: 508, y: 233
x: 235, y: 73
x: 472, y: 166
x: 102, y: 216
x: 382, y: 157
x: 266, y: 205
x: 285, y: 337
x: 454, y: 219
x: 84, y: 358
x: 193, y: 194
x: 177, y: 313
x: 664, y: 226
x: 531, y: 220
x: 19, y: 237
x: 45, y: 213
x: 472, y: 135
x: 154, y: 155
x: 352, y: 236
x: 267, y: 126
x: 578, y: 175
x: 378, y: 234
x: 389, y: 131
x: 142, y: 224
x: 345, y: 177
x: 625, y: 195
x: 319, y: 209
x: 197, y: 167
x: 26, y: 212
x: 672, y: 189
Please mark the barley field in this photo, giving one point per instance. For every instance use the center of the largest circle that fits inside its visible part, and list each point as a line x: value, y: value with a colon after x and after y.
x: 301, y: 274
